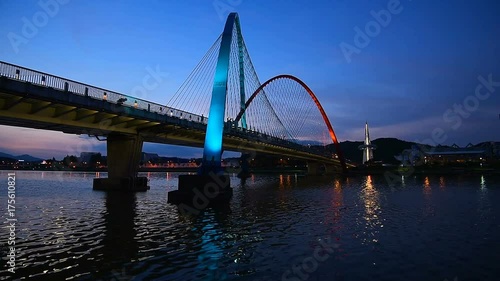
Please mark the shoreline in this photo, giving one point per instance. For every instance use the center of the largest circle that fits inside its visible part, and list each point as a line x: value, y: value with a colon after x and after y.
x: 292, y: 170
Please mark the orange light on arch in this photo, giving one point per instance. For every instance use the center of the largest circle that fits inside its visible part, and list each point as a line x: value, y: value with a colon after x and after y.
x: 316, y: 101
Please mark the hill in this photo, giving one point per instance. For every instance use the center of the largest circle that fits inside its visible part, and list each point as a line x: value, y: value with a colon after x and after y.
x: 24, y: 157
x: 387, y: 148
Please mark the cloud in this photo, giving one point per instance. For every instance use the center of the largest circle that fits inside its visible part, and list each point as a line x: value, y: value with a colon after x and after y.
x: 411, y: 130
x: 173, y: 150
x: 46, y: 144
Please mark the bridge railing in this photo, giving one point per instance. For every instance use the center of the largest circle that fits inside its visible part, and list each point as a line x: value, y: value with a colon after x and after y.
x: 73, y: 87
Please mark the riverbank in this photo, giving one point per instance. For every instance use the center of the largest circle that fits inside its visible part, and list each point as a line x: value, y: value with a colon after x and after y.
x: 278, y: 170
x: 441, y: 170
x: 377, y: 170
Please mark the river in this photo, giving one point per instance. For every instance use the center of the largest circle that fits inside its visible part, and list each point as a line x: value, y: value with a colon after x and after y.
x: 276, y: 227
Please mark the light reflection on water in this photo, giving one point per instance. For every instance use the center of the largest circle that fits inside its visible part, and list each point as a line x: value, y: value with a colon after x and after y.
x: 370, y: 197
x: 427, y: 186
x: 442, y: 183
x: 427, y: 228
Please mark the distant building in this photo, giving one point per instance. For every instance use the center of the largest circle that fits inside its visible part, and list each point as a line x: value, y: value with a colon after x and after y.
x: 482, y: 152
x: 455, y: 154
x: 367, y: 147
x: 86, y: 156
x: 410, y: 156
x: 231, y: 162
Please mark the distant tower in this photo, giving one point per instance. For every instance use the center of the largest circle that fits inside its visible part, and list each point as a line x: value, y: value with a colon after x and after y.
x: 367, y: 147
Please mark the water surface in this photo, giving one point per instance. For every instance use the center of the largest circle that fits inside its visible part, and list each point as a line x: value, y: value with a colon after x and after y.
x: 278, y: 227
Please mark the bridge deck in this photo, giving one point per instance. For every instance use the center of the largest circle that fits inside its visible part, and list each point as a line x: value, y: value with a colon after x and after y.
x: 54, y: 103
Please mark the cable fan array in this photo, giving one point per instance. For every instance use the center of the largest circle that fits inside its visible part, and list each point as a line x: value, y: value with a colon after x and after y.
x: 282, y: 108
x: 195, y: 93
x: 294, y: 107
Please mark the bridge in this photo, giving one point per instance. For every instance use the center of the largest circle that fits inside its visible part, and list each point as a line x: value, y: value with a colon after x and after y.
x: 221, y: 106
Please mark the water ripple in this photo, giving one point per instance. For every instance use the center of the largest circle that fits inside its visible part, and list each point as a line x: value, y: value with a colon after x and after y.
x: 427, y: 228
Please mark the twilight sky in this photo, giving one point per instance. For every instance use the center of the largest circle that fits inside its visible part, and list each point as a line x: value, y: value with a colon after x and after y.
x: 429, y: 73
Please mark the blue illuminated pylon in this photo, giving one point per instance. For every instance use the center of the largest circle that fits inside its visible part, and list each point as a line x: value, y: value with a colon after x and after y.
x: 241, y: 55
x: 212, y: 151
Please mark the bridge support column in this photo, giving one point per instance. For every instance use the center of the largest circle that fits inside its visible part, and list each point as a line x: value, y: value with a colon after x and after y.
x: 244, y: 166
x: 201, y: 191
x: 313, y: 168
x: 332, y: 169
x: 124, y: 154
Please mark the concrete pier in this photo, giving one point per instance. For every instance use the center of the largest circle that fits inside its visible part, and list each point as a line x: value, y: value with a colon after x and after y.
x: 201, y: 191
x: 124, y: 154
x: 332, y: 169
x: 313, y: 168
x: 244, y: 166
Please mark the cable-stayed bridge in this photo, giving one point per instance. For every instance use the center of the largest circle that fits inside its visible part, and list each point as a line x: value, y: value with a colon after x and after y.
x: 222, y: 105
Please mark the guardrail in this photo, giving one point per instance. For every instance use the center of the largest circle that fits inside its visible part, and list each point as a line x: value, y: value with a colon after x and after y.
x: 72, y: 87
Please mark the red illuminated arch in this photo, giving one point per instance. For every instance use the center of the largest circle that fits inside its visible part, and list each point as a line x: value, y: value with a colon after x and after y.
x: 316, y: 101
